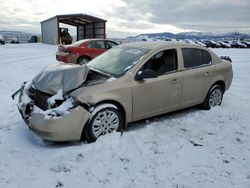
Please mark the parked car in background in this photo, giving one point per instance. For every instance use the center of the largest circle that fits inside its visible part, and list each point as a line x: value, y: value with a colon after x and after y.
x: 228, y: 42
x: 33, y: 39
x: 14, y: 40
x: 2, y: 41
x: 212, y: 44
x: 133, y: 81
x: 241, y: 44
x: 224, y: 44
x: 83, y: 51
x: 238, y: 44
x: 247, y: 43
x: 200, y: 43
x: 189, y: 41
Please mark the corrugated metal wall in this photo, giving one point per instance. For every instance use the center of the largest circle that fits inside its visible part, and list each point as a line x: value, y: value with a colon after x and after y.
x: 96, y: 30
x: 49, y: 31
x: 80, y: 32
x: 100, y: 30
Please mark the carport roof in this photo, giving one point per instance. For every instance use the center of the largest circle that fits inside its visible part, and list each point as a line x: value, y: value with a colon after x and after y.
x: 76, y: 19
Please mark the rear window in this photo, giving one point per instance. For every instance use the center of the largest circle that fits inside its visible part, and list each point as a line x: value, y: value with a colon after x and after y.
x: 194, y: 57
x: 206, y: 57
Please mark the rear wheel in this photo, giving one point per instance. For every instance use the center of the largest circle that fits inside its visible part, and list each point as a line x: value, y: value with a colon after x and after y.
x: 83, y: 60
x: 103, y: 122
x: 213, y: 98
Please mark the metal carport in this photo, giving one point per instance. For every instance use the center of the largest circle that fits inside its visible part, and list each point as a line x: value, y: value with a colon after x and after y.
x: 87, y: 26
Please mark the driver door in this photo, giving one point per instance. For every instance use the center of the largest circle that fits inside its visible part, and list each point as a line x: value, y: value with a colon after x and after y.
x: 153, y: 96
x: 96, y: 48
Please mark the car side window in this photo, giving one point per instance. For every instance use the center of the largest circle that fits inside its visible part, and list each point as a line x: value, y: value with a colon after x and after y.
x: 110, y: 44
x: 206, y: 57
x: 163, y: 62
x: 90, y: 45
x: 98, y: 44
x: 194, y: 57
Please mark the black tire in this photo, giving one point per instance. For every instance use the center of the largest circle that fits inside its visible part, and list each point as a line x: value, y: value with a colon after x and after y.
x: 83, y: 60
x: 88, y: 133
x: 206, y: 105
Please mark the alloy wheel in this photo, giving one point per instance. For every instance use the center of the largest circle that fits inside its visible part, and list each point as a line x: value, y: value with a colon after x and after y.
x: 215, y: 98
x: 105, y: 122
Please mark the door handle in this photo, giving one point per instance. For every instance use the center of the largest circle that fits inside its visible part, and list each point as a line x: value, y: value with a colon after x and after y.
x: 174, y: 81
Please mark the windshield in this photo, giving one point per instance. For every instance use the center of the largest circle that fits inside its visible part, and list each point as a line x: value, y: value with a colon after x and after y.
x: 117, y: 61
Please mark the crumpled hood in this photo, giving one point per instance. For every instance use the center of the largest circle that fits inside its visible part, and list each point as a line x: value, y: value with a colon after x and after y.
x: 60, y: 76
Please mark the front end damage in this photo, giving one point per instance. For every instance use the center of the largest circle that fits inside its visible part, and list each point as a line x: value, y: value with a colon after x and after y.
x: 63, y: 121
x: 46, y: 104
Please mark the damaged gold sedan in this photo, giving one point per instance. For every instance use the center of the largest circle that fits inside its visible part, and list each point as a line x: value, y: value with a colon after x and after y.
x: 130, y: 82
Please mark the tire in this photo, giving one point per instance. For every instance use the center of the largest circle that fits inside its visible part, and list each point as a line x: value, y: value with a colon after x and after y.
x: 213, y: 98
x: 99, y: 126
x: 83, y: 60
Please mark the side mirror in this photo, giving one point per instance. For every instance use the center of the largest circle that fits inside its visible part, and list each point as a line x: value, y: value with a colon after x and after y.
x: 145, y: 74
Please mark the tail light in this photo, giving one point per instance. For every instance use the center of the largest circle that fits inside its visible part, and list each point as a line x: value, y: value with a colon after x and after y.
x: 62, y: 48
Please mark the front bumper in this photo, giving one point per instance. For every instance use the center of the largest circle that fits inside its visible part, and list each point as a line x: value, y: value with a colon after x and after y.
x: 63, y: 128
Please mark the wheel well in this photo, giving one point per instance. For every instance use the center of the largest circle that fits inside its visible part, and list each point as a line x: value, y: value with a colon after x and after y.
x: 119, y: 106
x: 220, y: 83
x: 82, y: 57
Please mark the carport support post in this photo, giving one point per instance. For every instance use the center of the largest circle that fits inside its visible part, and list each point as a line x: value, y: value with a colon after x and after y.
x: 104, y: 34
x: 58, y: 31
x: 93, y: 30
x: 77, y: 34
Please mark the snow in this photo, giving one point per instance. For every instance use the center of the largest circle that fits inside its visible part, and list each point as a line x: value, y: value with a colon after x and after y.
x: 190, y: 148
x: 111, y: 79
x: 100, y: 107
x: 60, y: 110
x: 57, y: 96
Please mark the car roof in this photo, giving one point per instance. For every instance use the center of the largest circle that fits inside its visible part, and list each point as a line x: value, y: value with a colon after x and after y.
x: 97, y: 39
x: 157, y: 44
x: 89, y: 40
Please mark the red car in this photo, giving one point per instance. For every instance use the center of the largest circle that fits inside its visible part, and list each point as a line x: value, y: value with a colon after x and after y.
x: 83, y: 51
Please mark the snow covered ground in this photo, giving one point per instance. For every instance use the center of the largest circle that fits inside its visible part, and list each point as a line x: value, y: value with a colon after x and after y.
x: 191, y: 148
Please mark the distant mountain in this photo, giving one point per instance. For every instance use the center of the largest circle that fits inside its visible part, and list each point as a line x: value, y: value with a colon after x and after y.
x: 195, y: 35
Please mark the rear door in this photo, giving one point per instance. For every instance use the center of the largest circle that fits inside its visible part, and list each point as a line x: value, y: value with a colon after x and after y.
x: 197, y: 75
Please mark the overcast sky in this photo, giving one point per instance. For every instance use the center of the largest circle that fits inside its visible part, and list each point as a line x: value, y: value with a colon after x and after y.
x: 132, y: 17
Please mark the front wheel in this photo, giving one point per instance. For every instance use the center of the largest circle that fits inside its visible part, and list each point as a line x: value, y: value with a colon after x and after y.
x: 213, y: 98
x: 103, y: 122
